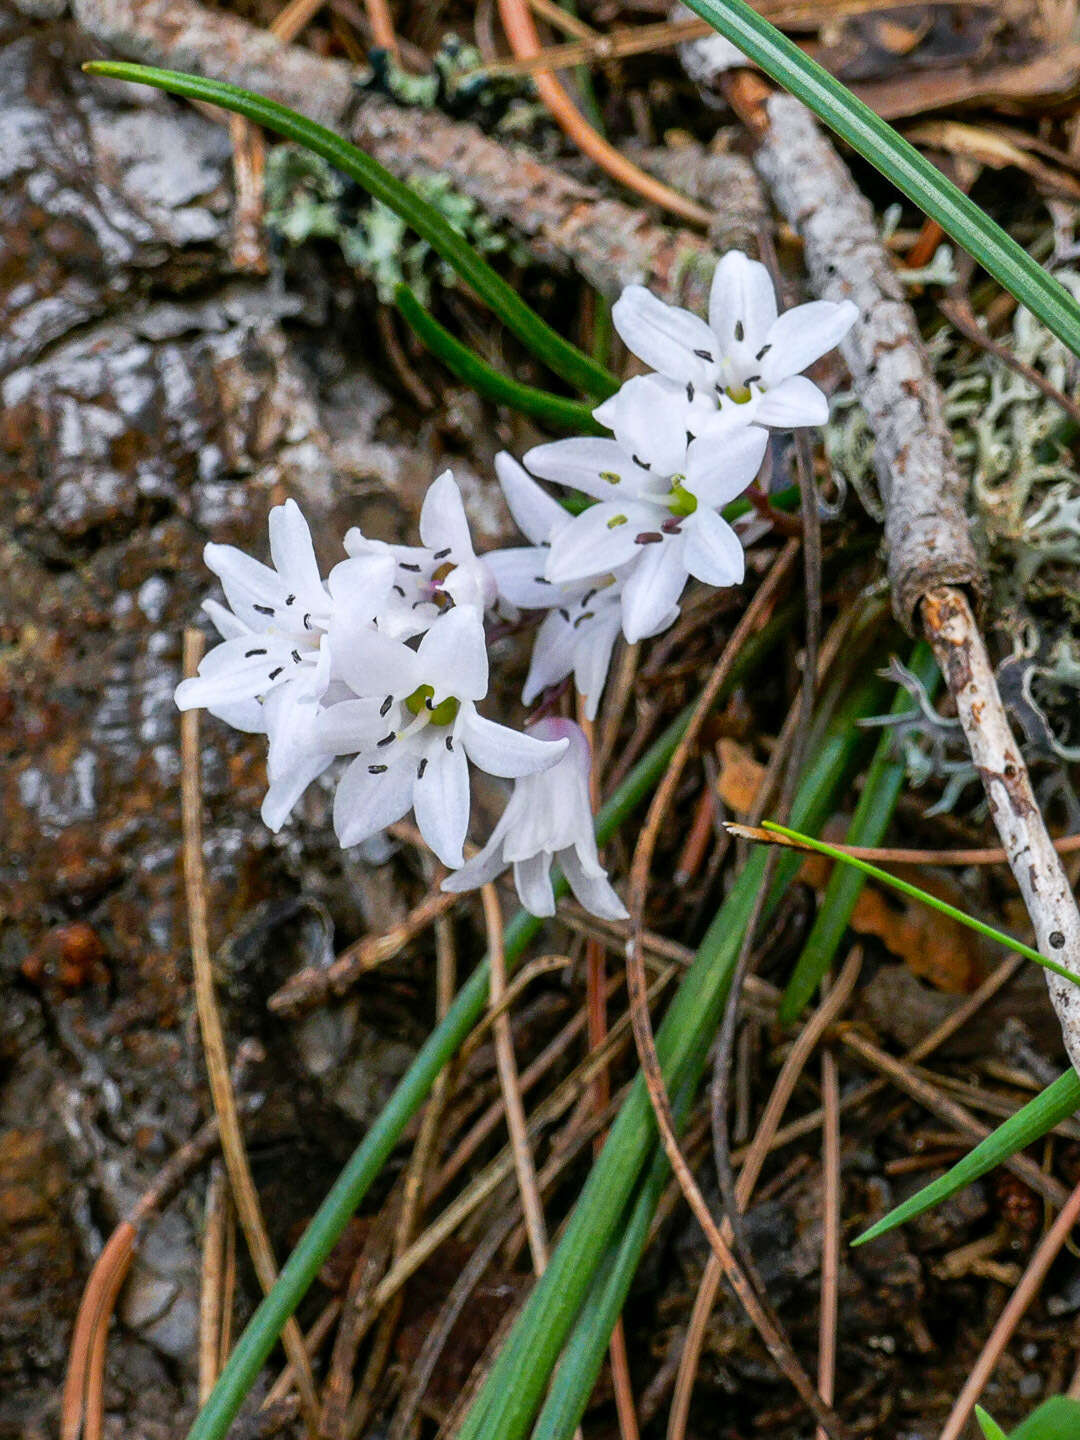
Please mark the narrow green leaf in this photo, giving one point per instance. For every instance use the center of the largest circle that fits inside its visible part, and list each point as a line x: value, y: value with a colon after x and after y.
x: 898, y: 161
x: 566, y: 360
x: 1056, y: 1419
x: 990, y: 1428
x: 914, y: 893
x: 881, y: 790
x: 1057, y: 1102
x: 541, y: 405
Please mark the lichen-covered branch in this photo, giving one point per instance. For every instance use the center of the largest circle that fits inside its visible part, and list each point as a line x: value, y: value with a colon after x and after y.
x: 566, y: 223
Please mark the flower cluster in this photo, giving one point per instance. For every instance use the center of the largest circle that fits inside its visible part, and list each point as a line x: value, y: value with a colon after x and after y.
x: 386, y: 660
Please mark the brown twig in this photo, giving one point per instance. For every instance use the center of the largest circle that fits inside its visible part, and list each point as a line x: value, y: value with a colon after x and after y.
x: 212, y: 1280
x: 830, y: 1230
x: 213, y: 1039
x: 961, y: 316
x: 1018, y: 1302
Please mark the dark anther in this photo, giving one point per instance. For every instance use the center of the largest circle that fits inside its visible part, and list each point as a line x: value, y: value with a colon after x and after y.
x: 752, y: 380
x: 289, y: 599
x: 421, y: 768
x: 249, y: 653
x: 377, y: 769
x: 582, y: 618
x: 690, y: 391
x: 672, y: 526
x: 442, y: 554
x: 405, y: 566
x: 295, y: 656
x: 400, y: 591
x: 565, y: 614
x: 264, y: 609
x: 704, y: 355
x: 385, y: 706
x: 690, y: 437
x: 739, y: 331
x: 541, y: 580
x: 307, y: 620
x: 387, y: 740
x: 648, y: 537
x: 275, y: 673
x: 645, y: 464
x: 450, y: 742
x: 763, y: 351
x: 587, y: 596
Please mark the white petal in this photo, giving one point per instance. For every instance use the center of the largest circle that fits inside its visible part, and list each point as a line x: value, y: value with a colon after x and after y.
x: 354, y: 725
x: 666, y: 337
x: 593, y: 891
x: 228, y: 625
x: 499, y: 750
x: 366, y: 803
x: 722, y: 464
x: 536, y: 514
x: 246, y: 715
x: 801, y: 335
x: 484, y: 866
x: 443, y: 521
x: 552, y: 656
x: 361, y: 586
x: 373, y: 663
x: 453, y: 655
x: 594, y: 641
x: 653, y: 588
x: 292, y: 551
x: 532, y: 880
x: 235, y: 670
x: 713, y: 552
x: 650, y: 423
x: 246, y: 582
x: 520, y: 579
x: 796, y: 401
x: 283, y: 793
x: 592, y: 464
x: 441, y: 800
x: 600, y: 539
x: 742, y: 301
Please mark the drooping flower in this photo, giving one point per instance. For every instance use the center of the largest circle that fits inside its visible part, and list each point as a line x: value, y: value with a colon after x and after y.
x: 547, y: 820
x: 657, y: 521
x: 426, y: 699
x: 746, y: 361
x: 579, y: 631
x: 443, y: 569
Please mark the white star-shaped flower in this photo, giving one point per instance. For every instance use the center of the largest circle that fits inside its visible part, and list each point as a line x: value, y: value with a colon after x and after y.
x: 431, y: 730
x: 746, y: 361
x: 657, y: 521
x: 547, y: 820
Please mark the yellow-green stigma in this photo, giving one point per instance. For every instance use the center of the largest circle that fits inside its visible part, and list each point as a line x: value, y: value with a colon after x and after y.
x: 445, y: 713
x: 681, y: 501
x: 739, y: 393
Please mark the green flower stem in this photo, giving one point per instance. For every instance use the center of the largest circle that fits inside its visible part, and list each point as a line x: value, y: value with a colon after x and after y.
x: 1057, y: 1102
x: 914, y: 893
x: 898, y: 161
x: 566, y: 360
x: 352, y: 1184
x: 505, y: 1406
x: 881, y: 790
x: 491, y: 383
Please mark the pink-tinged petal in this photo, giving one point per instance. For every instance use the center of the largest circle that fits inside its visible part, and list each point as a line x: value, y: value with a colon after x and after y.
x: 372, y: 663
x: 532, y: 880
x: 713, y: 552
x: 650, y: 418
x: 801, y: 336
x: 520, y: 579
x: 592, y: 464
x: 443, y: 522
x: 669, y: 339
x: 653, y: 589
x: 369, y: 797
x: 742, y: 302
x: 453, y: 655
x: 499, y: 750
x: 552, y: 656
x: 793, y: 402
x: 292, y: 552
x: 593, y: 891
x: 600, y: 539
x: 441, y: 799
x: 536, y: 514
x: 284, y: 792
x: 722, y: 464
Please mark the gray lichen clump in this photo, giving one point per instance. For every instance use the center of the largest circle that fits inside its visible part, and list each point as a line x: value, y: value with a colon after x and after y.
x: 1015, y: 446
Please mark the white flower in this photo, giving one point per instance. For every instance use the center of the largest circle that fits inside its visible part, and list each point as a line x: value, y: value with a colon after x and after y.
x: 430, y: 730
x: 443, y: 568
x: 747, y: 360
x: 579, y: 632
x: 548, y: 818
x: 657, y: 520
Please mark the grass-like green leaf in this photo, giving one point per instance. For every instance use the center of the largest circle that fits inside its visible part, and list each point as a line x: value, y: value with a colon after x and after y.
x: 881, y: 790
x: 990, y: 1428
x: 565, y: 359
x: 1056, y: 1419
x: 914, y: 893
x: 1057, y: 1102
x: 540, y: 405
x: 899, y: 161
